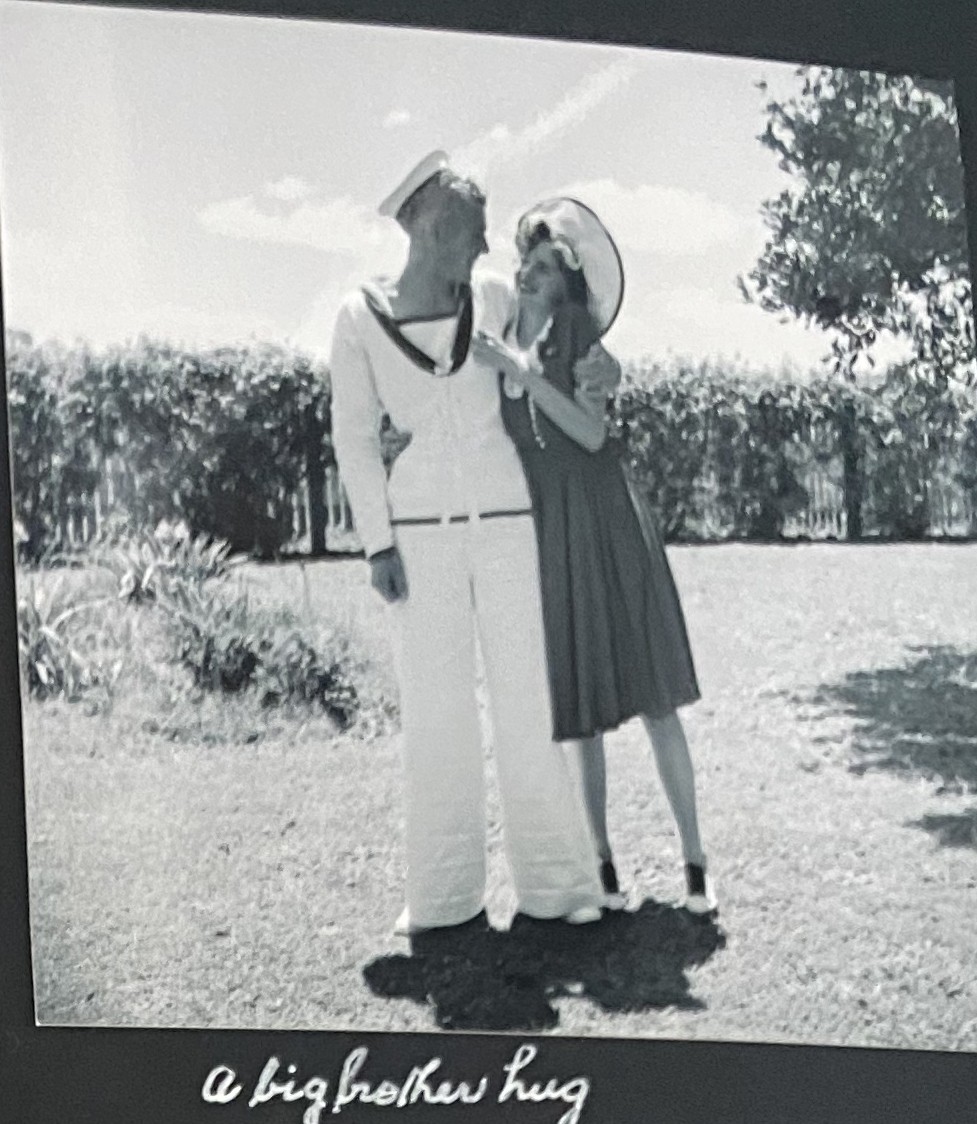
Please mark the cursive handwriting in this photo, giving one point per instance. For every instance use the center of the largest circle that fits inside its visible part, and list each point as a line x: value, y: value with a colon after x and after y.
x: 416, y: 1087
x: 573, y: 1093
x: 422, y: 1085
x: 314, y: 1090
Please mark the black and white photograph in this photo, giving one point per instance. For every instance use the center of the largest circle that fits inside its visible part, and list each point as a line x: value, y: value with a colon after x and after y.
x: 496, y: 533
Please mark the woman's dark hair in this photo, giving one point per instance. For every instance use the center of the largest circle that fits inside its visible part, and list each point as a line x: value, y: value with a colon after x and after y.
x: 576, y: 283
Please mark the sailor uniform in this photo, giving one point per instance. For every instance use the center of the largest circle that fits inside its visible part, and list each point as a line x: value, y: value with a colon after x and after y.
x: 457, y: 506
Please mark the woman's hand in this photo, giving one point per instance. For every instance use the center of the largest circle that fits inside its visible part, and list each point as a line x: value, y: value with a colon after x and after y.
x: 493, y: 352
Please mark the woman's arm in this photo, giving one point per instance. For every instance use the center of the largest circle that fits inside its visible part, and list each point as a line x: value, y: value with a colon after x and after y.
x: 581, y: 417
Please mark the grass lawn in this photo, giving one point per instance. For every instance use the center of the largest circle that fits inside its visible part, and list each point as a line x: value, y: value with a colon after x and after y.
x: 213, y: 864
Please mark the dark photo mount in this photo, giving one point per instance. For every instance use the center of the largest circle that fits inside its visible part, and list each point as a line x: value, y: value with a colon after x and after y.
x: 107, y: 1075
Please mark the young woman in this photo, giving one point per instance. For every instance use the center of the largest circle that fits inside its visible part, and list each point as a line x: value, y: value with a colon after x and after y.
x: 616, y: 641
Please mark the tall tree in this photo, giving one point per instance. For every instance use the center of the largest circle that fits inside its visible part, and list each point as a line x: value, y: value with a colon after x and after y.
x: 869, y: 236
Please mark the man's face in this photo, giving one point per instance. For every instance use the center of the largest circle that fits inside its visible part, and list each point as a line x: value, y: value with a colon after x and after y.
x: 459, y: 235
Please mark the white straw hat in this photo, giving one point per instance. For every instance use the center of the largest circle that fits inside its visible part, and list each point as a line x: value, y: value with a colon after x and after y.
x: 576, y: 226
x: 415, y: 179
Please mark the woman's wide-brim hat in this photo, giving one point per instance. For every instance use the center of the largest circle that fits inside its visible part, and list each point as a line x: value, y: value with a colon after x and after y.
x: 415, y: 179
x: 575, y: 225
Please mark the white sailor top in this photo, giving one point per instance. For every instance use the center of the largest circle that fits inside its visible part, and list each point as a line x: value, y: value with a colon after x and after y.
x: 460, y: 463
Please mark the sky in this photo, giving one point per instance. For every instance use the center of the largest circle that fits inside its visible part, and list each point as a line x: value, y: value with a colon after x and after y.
x: 214, y: 178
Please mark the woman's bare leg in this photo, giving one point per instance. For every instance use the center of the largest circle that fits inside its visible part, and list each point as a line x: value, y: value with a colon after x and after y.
x: 678, y: 779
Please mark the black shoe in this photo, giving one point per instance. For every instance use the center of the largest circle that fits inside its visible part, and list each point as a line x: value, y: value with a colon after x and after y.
x: 701, y: 897
x: 613, y: 898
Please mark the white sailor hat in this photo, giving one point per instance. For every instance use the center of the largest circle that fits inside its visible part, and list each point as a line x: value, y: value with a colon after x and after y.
x: 575, y: 228
x: 415, y: 179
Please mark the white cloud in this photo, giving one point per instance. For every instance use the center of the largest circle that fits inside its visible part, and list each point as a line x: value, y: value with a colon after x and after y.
x: 197, y: 327
x: 668, y: 222
x: 501, y: 145
x: 701, y: 323
x: 341, y: 225
x: 367, y: 243
x: 289, y: 189
x: 116, y: 322
x: 338, y: 225
x: 395, y: 118
x: 644, y: 218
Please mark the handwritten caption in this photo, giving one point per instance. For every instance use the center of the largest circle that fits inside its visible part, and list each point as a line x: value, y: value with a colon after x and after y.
x: 421, y: 1085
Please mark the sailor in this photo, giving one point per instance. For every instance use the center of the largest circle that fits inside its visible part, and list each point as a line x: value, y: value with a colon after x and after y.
x: 451, y: 545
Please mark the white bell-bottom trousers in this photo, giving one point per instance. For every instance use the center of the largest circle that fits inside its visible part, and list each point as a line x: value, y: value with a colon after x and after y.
x: 461, y: 577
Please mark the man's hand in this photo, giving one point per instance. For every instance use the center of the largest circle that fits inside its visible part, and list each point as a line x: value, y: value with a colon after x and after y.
x: 387, y: 574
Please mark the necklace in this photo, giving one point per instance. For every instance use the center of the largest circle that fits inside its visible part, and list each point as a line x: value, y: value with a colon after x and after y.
x: 534, y: 422
x: 533, y: 350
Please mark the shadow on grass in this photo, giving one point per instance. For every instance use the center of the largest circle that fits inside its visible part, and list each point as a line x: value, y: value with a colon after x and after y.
x: 918, y: 720
x: 490, y: 980
x: 951, y: 829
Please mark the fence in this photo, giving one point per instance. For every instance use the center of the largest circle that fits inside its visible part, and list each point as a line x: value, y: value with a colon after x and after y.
x: 714, y: 497
x: 117, y: 499
x: 953, y: 512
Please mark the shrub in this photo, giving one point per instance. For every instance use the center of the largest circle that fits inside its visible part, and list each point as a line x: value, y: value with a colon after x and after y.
x: 723, y: 453
x: 290, y: 670
x: 52, y: 661
x: 218, y: 438
x: 912, y: 425
x: 221, y: 439
x: 213, y: 637
x: 718, y: 451
x: 52, y: 463
x: 147, y: 563
x: 229, y: 646
x: 966, y: 468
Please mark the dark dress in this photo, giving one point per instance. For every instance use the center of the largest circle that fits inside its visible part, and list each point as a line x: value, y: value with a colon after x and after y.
x: 616, y: 640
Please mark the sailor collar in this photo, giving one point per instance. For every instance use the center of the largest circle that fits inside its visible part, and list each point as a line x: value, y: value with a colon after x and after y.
x: 379, y: 306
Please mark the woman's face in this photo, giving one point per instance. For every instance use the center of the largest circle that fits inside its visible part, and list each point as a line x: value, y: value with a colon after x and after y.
x: 540, y: 278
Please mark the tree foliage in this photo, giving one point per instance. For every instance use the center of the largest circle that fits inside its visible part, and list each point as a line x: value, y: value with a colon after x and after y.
x: 869, y: 235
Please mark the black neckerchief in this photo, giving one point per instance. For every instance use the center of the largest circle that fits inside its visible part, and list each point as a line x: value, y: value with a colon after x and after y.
x: 463, y: 336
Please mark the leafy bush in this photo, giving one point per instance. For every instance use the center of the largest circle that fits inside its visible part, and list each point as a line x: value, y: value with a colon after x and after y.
x: 220, y: 439
x: 720, y: 452
x: 146, y: 564
x: 229, y: 646
x: 724, y: 453
x: 51, y: 464
x: 219, y: 443
x: 966, y: 469
x: 215, y: 640
x: 291, y: 670
x: 913, y: 427
x: 52, y: 661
